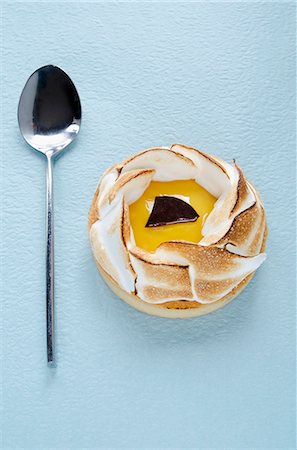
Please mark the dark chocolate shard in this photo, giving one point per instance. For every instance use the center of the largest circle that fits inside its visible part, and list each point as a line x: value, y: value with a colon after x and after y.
x: 170, y: 210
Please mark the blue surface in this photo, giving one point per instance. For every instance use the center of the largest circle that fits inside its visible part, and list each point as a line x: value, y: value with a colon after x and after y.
x: 218, y: 76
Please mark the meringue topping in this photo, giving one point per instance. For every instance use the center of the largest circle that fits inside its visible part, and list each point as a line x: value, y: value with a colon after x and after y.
x: 205, y: 270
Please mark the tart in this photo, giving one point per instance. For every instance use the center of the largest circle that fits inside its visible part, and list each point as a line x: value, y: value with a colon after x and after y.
x: 176, y: 232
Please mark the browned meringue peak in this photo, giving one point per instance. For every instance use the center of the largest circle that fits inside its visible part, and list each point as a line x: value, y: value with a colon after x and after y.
x: 129, y: 185
x: 235, y: 199
x: 208, y: 273
x: 211, y: 173
x: 251, y: 224
x: 244, y: 228
x: 233, y: 232
x: 168, y: 164
x: 109, y: 239
x: 159, y: 281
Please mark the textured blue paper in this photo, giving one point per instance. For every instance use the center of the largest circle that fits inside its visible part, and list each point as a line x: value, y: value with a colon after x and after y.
x: 218, y: 76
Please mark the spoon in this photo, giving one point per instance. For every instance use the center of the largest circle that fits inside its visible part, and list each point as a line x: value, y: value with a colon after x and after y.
x: 49, y: 116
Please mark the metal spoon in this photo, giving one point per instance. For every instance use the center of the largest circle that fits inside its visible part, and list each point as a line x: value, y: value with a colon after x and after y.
x: 49, y: 116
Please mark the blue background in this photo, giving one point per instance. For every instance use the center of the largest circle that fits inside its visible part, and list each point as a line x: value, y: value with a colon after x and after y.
x: 218, y: 76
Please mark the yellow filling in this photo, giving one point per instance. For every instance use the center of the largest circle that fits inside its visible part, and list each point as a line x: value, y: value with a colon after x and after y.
x: 188, y: 190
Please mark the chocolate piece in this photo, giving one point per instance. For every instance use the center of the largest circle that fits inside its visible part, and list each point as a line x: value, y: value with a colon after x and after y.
x: 170, y: 210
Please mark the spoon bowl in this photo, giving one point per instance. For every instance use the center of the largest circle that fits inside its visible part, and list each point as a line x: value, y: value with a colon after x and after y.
x: 49, y: 112
x: 49, y: 116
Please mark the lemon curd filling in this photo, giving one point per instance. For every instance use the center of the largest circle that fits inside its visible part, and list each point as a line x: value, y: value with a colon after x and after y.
x: 187, y: 190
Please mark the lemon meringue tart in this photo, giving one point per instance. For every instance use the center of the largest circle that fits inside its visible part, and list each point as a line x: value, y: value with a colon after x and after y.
x: 176, y: 232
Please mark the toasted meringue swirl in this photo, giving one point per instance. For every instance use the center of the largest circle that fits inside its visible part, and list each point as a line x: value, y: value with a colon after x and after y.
x: 205, y: 272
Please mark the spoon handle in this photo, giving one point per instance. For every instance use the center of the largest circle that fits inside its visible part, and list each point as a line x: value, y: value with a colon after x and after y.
x: 50, y: 262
